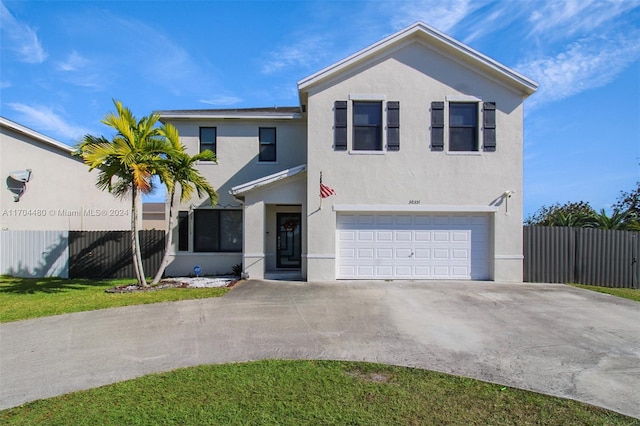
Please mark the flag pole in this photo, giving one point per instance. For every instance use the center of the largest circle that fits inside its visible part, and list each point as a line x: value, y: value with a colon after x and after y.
x: 320, y: 190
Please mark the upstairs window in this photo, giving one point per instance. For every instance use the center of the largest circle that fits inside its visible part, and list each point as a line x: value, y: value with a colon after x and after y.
x: 367, y: 126
x: 463, y: 126
x: 208, y: 139
x: 267, y: 138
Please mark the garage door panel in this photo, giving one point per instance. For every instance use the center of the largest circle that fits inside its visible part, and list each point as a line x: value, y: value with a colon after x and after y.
x: 404, y: 253
x: 422, y: 236
x: 440, y: 254
x: 423, y: 253
x: 347, y: 253
x: 403, y: 236
x: 460, y: 236
x: 413, y: 246
x: 346, y: 235
x: 384, y: 235
x: 365, y: 253
x: 460, y: 254
x: 441, y: 236
x: 384, y: 253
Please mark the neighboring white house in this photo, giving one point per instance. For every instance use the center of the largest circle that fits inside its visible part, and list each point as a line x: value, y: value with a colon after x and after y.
x: 45, y: 188
x: 419, y: 136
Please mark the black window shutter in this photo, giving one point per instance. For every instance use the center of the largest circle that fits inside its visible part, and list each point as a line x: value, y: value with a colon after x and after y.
x: 437, y: 126
x: 393, y: 126
x: 489, y: 125
x: 340, y: 126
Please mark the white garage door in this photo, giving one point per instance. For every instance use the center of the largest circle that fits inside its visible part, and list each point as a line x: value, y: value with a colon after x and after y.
x: 412, y: 246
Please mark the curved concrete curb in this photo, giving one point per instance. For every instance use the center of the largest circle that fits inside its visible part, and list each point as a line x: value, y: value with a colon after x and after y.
x: 548, y: 338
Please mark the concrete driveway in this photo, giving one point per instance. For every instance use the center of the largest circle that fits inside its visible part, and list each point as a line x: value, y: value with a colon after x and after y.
x: 548, y: 338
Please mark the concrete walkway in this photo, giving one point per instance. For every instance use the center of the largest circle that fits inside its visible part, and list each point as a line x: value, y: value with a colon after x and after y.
x: 548, y: 338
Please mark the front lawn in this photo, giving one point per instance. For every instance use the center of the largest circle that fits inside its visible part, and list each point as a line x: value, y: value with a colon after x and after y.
x: 307, y: 393
x: 627, y: 293
x: 25, y: 298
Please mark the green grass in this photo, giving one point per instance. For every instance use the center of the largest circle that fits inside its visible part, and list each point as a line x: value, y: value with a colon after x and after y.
x: 627, y: 293
x: 25, y: 298
x: 307, y: 393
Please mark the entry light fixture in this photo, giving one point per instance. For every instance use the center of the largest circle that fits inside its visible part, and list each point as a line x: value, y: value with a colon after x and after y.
x: 507, y: 194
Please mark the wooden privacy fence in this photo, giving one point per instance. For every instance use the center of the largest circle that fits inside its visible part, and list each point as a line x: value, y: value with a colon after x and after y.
x: 77, y: 254
x: 599, y: 257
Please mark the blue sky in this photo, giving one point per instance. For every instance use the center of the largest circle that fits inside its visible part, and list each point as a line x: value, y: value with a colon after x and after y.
x: 62, y: 62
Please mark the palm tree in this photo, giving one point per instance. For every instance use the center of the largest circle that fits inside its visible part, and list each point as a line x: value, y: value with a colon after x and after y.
x: 181, y: 172
x: 618, y: 220
x: 575, y: 219
x: 127, y: 164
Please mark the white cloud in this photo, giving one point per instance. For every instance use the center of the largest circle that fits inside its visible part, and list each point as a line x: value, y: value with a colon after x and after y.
x: 74, y: 62
x: 443, y: 15
x: 305, y: 53
x: 45, y: 119
x: 23, y: 39
x: 5, y: 84
x: 587, y: 63
x: 222, y: 100
x: 80, y: 71
x: 562, y: 18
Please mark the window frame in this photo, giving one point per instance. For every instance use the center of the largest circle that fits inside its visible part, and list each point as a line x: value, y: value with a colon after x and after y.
x: 215, y: 216
x: 380, y: 126
x: 475, y: 126
x: 203, y: 146
x: 261, y: 144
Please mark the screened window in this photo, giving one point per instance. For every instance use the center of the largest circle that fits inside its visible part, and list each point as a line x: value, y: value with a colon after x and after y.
x: 267, y: 136
x: 367, y: 126
x: 463, y: 127
x: 217, y: 230
x: 208, y: 139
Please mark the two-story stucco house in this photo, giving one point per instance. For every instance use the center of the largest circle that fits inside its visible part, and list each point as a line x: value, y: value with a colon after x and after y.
x: 419, y: 137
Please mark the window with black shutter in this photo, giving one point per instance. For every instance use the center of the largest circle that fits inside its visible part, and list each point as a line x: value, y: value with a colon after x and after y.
x: 183, y: 231
x: 393, y: 126
x: 489, y: 126
x: 437, y: 126
x: 340, y: 126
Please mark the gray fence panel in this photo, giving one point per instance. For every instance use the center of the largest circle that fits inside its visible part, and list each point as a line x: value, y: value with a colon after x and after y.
x: 607, y: 258
x: 599, y: 257
x: 34, y: 254
x: 107, y: 254
x: 549, y: 254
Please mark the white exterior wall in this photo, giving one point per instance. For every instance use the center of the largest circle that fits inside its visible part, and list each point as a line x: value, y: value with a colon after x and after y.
x: 415, y: 75
x: 61, y: 194
x: 237, y: 154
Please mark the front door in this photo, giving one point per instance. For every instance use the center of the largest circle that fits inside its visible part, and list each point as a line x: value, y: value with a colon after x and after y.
x: 289, y: 249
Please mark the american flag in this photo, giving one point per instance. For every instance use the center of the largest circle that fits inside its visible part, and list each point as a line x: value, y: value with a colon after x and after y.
x: 325, y: 191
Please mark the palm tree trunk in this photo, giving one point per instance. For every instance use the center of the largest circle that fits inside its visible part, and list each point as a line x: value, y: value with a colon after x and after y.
x: 167, y: 241
x: 135, y: 241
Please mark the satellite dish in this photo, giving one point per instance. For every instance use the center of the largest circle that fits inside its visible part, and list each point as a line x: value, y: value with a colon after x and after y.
x: 21, y: 175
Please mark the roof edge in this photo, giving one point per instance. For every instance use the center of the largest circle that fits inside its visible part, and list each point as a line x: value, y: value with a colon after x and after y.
x: 259, y: 113
x: 527, y: 85
x: 266, y: 180
x: 19, y: 128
